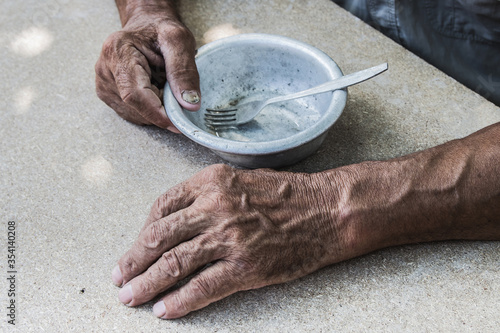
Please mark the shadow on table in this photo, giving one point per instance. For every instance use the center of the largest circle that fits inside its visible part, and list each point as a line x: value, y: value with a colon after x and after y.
x: 363, y: 132
x: 400, y: 280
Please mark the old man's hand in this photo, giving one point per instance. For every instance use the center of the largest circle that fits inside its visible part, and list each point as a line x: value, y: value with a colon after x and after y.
x: 236, y: 230
x: 152, y: 47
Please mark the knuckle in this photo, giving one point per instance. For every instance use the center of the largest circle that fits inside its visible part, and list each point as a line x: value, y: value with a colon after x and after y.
x: 173, y: 266
x: 202, y: 286
x: 246, y: 271
x: 212, y: 176
x: 128, y: 266
x: 219, y: 169
x: 112, y: 43
x: 219, y: 175
x: 237, y: 235
x: 129, y: 96
x: 177, y: 33
x: 99, y: 68
x: 146, y: 286
x: 103, y: 92
x: 155, y: 237
x: 102, y: 85
x: 244, y: 267
x: 225, y: 206
x: 186, y: 74
x: 130, y: 91
x: 157, y: 210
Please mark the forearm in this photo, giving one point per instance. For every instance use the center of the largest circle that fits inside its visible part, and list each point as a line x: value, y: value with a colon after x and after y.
x: 451, y: 191
x: 130, y: 8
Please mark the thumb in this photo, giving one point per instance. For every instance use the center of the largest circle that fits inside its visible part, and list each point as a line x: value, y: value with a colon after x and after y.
x: 179, y: 48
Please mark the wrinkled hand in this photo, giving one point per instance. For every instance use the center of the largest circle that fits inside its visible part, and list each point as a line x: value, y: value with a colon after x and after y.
x: 135, y: 62
x: 254, y: 228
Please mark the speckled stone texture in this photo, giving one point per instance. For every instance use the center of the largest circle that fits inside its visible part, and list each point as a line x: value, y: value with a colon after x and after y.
x: 79, y: 181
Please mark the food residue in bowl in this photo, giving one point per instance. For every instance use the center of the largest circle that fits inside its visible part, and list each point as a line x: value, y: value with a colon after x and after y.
x: 275, y: 121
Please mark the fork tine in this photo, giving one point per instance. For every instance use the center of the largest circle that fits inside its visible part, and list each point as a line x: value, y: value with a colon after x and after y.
x: 220, y: 120
x: 217, y: 118
x: 221, y: 114
x: 218, y: 111
x: 221, y: 117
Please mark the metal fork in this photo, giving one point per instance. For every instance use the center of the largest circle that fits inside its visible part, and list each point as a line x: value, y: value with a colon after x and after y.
x: 245, y: 112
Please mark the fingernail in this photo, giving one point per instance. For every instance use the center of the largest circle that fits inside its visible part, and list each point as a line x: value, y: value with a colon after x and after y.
x: 159, y: 309
x: 191, y: 96
x: 116, y: 276
x: 125, y: 295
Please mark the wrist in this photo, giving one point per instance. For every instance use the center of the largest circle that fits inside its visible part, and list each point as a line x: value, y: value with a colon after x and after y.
x: 133, y: 10
x: 378, y: 204
x: 443, y: 193
x: 375, y: 205
x: 332, y: 190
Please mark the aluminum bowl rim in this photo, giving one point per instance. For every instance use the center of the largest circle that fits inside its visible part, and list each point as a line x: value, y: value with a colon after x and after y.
x: 330, y: 116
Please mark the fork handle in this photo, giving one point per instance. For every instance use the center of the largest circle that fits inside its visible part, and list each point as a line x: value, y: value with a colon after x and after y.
x: 339, y: 83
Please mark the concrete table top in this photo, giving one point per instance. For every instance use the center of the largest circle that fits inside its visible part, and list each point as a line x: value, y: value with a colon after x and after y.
x: 78, y: 180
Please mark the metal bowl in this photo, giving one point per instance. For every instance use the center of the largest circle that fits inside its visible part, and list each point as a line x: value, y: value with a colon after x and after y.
x: 261, y: 65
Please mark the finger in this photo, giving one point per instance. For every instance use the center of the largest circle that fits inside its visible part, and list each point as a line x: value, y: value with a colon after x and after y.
x: 186, y: 193
x: 178, y: 197
x: 166, y: 208
x: 107, y: 91
x: 133, y: 81
x: 125, y: 111
x: 159, y: 237
x: 210, y: 285
x: 159, y: 92
x: 178, y: 48
x: 170, y: 268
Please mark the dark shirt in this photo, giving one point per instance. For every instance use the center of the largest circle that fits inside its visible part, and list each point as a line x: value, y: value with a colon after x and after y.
x: 460, y: 37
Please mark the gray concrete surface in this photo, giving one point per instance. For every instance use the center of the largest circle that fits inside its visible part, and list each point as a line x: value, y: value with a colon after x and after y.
x: 79, y: 181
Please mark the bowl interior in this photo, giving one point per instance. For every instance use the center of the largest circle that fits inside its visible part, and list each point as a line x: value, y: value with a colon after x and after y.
x: 249, y: 67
